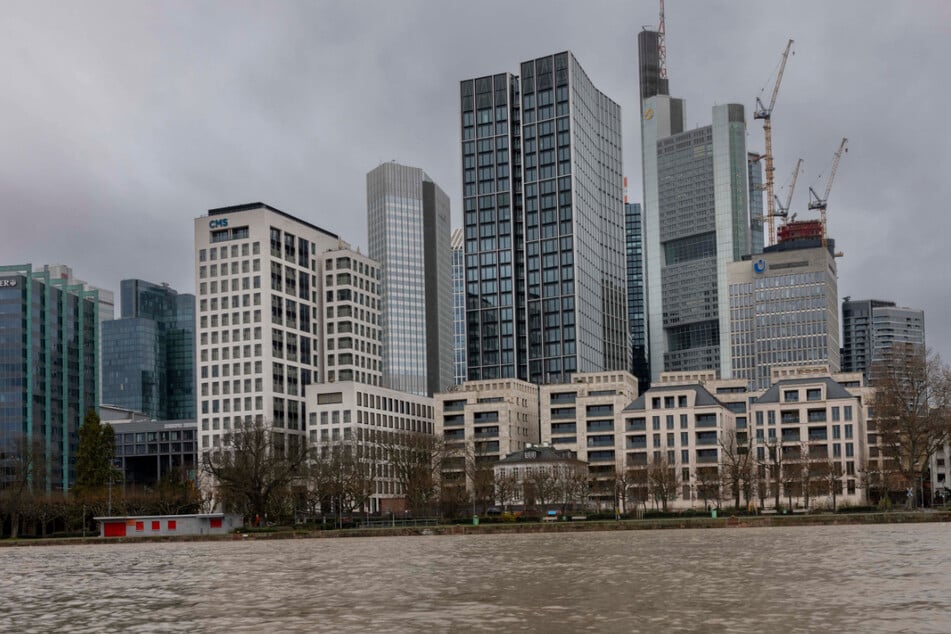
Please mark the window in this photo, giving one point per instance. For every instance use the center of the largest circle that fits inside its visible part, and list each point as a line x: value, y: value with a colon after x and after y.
x: 791, y: 396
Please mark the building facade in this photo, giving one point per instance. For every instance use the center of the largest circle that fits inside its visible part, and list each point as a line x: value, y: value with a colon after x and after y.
x: 480, y: 422
x: 351, y: 318
x: 870, y: 327
x: 542, y: 478
x: 148, y: 354
x: 259, y: 320
x: 544, y: 224
x: 408, y: 223
x: 783, y: 310
x: 460, y: 367
x: 697, y: 220
x: 581, y: 417
x: 49, y: 371
x: 810, y: 438
x: 369, y: 422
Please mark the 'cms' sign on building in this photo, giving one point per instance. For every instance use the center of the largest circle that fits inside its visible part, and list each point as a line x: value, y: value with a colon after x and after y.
x: 219, y: 223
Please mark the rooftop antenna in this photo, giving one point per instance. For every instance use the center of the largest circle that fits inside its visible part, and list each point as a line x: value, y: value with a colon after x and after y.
x: 662, y: 44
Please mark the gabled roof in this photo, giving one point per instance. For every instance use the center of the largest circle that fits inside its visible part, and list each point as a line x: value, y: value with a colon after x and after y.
x: 702, y: 397
x: 543, y: 453
x: 834, y: 390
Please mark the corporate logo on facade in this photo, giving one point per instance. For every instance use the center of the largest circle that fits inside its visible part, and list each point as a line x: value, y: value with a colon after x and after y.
x: 8, y: 283
x: 220, y: 223
x: 759, y: 265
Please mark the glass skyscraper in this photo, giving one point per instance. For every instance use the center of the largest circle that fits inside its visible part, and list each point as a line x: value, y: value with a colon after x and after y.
x: 544, y: 224
x: 696, y: 221
x: 408, y: 225
x: 148, y: 355
x: 870, y: 327
x: 49, y: 331
x: 460, y: 370
x: 636, y: 315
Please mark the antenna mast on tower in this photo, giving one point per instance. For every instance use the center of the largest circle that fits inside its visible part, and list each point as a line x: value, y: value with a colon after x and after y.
x: 662, y: 44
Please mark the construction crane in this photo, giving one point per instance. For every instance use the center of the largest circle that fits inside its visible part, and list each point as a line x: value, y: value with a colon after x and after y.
x: 783, y: 210
x: 765, y: 113
x: 815, y: 202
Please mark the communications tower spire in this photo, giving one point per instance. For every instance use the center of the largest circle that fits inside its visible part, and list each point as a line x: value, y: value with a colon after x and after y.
x: 662, y: 43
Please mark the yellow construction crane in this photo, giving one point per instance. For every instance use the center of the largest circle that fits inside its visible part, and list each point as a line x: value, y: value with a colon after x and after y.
x: 815, y: 202
x: 783, y: 210
x: 765, y: 113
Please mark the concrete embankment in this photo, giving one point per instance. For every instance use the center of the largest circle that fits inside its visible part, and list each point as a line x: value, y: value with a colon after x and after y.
x: 528, y: 527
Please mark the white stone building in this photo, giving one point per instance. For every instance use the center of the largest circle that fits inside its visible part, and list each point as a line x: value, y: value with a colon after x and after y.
x: 482, y: 421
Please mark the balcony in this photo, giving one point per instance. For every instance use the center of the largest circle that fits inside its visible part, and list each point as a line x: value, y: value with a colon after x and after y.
x: 455, y: 420
x: 707, y: 456
x: 561, y: 413
x: 600, y: 426
x: 706, y: 420
x: 636, y: 442
x: 453, y: 406
x: 600, y: 441
x: 818, y: 433
x: 706, y: 438
x: 636, y: 424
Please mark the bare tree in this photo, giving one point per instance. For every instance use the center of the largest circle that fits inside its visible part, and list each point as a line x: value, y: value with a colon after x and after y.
x: 912, y: 405
x: 710, y: 485
x: 22, y: 478
x: 638, y: 484
x: 506, y: 489
x: 254, y: 466
x: 773, y: 466
x: 479, y: 468
x: 829, y: 475
x: 737, y: 457
x: 416, y: 459
x: 541, y: 487
x: 664, y: 481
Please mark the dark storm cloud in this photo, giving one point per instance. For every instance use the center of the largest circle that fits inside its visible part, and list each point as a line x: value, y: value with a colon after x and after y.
x: 121, y: 122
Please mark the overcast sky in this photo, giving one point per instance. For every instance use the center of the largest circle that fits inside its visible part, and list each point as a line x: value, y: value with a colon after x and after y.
x: 120, y: 122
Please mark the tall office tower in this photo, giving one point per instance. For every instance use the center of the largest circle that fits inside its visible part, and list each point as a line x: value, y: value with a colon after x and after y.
x: 870, y: 327
x: 148, y: 355
x: 460, y: 370
x: 696, y: 221
x: 544, y: 224
x: 259, y: 319
x: 755, y: 174
x: 784, y: 307
x: 408, y: 223
x: 636, y: 315
x: 351, y: 319
x: 107, y: 309
x: 49, y: 333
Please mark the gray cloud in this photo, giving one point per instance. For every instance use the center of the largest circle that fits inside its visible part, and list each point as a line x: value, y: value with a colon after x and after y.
x: 120, y: 122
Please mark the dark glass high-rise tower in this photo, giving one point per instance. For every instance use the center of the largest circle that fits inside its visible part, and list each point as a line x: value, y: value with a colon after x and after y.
x: 148, y: 355
x: 636, y: 314
x: 544, y: 224
x: 49, y: 371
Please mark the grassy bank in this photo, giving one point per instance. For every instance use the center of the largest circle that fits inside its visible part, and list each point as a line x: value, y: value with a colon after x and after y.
x: 755, y: 521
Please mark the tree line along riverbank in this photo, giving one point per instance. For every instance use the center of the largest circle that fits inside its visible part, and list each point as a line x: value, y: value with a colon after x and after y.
x: 751, y: 521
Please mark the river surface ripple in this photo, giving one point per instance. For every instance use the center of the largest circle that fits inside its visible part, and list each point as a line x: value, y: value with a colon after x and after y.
x: 886, y: 578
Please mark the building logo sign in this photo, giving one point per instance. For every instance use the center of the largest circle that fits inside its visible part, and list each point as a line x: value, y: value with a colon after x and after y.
x: 219, y: 223
x: 8, y: 283
x: 759, y: 265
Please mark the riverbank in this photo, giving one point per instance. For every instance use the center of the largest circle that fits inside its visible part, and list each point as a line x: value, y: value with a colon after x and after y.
x: 754, y: 521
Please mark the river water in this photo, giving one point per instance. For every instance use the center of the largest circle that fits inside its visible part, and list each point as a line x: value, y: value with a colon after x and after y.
x: 804, y: 579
